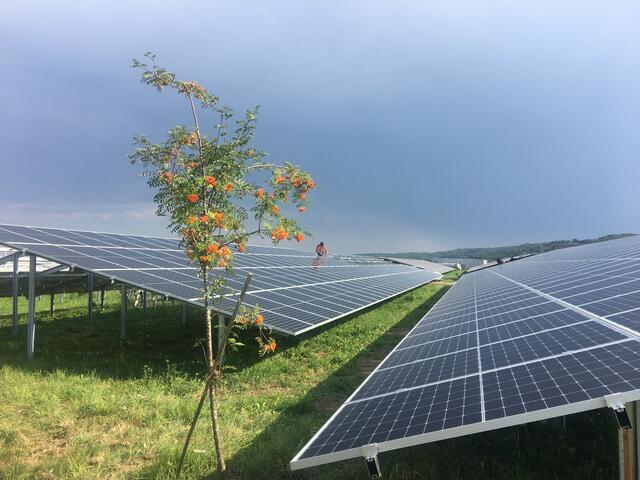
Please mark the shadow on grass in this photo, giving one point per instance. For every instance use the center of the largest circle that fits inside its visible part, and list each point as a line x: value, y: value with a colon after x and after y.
x: 65, y: 342
x: 155, y: 342
x: 268, y: 455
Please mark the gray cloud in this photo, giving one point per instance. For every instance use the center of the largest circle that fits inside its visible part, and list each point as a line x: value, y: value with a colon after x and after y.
x: 427, y: 124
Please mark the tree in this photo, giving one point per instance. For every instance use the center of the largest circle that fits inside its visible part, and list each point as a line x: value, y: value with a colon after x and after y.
x: 209, y: 186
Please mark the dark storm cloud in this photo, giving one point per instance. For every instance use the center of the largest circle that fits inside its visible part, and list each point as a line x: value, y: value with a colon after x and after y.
x: 427, y: 124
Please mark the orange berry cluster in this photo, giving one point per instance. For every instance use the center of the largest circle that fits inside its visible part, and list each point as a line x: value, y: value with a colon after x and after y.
x: 216, y: 255
x: 279, y: 233
x: 246, y: 319
x: 190, y: 139
x: 211, y: 181
x: 269, y: 346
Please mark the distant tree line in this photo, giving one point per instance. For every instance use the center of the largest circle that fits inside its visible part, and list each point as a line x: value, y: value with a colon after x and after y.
x: 501, y: 252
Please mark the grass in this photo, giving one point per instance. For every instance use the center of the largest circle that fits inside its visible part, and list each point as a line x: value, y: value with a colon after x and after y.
x: 88, y: 406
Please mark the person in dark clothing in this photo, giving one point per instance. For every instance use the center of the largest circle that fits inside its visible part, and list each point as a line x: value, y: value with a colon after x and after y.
x: 321, y: 250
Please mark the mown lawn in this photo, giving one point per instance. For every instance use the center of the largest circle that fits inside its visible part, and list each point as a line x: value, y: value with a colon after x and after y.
x: 89, y: 407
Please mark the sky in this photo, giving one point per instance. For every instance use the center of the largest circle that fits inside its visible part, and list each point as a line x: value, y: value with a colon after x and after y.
x: 427, y: 125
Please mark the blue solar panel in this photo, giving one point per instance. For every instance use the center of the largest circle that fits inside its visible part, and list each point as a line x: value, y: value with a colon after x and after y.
x: 295, y: 291
x: 536, y: 338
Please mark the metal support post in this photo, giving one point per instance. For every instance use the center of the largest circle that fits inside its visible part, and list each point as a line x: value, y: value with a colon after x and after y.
x: 636, y: 438
x: 626, y: 416
x: 52, y: 304
x: 144, y: 302
x: 31, y: 315
x: 14, y: 281
x: 90, y: 298
x: 370, y: 454
x: 102, y: 299
x: 184, y: 314
x: 123, y: 311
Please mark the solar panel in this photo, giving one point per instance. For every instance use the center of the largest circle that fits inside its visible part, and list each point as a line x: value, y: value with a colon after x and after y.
x: 538, y: 338
x: 295, y: 290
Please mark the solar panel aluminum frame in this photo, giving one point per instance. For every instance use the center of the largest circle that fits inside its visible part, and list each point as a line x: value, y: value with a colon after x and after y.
x: 191, y: 301
x: 298, y: 463
x: 585, y: 405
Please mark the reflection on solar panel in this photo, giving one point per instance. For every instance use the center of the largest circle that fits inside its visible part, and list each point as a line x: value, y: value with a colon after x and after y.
x: 296, y: 291
x: 538, y: 338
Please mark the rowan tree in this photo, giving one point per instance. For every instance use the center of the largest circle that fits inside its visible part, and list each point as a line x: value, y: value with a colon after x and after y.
x: 218, y: 190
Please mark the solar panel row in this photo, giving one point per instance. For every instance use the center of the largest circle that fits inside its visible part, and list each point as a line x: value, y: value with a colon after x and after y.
x: 541, y: 337
x: 295, y: 290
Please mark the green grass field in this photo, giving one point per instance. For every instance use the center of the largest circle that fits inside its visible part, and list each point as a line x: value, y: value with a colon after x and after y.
x: 89, y: 407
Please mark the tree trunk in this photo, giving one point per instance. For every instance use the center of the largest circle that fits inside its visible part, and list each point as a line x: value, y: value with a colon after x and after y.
x: 220, y: 465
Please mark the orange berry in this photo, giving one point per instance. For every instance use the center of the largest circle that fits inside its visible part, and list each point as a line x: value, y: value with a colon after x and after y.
x: 275, y: 210
x: 192, y: 198
x: 242, y: 248
x: 212, y: 248
x: 225, y: 251
x: 191, y: 220
x: 168, y: 177
x: 222, y: 263
x: 301, y: 209
x: 228, y: 187
x: 299, y: 237
x: 204, y: 219
x: 303, y: 196
x: 259, y: 319
x: 279, y: 234
x: 251, y: 152
x: 203, y: 259
x: 280, y: 179
x: 210, y: 180
x: 218, y: 216
x: 192, y: 138
x: 260, y: 192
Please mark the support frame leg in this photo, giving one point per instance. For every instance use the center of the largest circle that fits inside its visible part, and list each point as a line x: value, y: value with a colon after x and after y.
x: 14, y: 287
x: 123, y: 312
x: 90, y: 298
x: 31, y: 313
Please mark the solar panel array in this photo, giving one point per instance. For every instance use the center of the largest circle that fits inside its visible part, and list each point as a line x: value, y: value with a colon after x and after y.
x: 537, y: 338
x: 295, y: 290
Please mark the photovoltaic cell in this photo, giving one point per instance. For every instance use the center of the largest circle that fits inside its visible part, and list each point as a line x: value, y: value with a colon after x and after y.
x: 541, y: 337
x: 295, y: 290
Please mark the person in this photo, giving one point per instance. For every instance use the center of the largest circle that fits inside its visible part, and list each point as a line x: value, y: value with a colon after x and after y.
x: 321, y: 250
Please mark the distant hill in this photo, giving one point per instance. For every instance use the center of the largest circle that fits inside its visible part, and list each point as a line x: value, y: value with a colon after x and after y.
x: 501, y: 252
